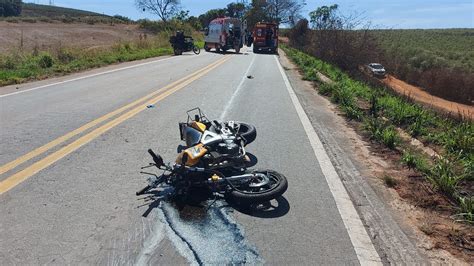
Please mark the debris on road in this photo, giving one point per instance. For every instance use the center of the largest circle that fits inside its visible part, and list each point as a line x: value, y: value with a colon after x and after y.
x: 150, y: 106
x: 250, y: 77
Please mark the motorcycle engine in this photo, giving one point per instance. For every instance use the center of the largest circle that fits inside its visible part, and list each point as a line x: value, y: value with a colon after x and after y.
x: 228, y: 147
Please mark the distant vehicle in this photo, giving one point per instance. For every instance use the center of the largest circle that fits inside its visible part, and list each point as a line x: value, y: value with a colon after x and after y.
x: 376, y: 69
x: 182, y: 43
x: 224, y: 34
x: 265, y: 37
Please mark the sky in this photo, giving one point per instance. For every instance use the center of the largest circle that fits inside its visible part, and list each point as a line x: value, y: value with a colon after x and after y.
x: 407, y: 14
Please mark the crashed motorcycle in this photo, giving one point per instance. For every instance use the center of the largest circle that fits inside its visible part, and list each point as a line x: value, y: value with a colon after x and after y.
x: 214, y: 160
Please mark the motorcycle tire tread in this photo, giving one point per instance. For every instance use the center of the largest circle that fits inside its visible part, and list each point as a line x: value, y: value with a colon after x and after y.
x: 250, y: 135
x: 243, y: 198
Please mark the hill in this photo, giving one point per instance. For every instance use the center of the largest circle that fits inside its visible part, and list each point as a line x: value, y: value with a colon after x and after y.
x: 35, y: 10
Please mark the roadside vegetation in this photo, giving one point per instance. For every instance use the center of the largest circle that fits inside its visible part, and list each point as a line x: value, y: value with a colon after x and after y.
x: 380, y: 113
x: 440, y: 61
x: 18, y: 66
x: 331, y: 47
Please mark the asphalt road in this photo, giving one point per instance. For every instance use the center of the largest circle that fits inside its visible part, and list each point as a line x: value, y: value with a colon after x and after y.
x: 73, y: 201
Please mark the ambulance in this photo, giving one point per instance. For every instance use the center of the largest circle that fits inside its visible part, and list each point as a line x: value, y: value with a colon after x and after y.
x: 265, y: 37
x: 224, y: 34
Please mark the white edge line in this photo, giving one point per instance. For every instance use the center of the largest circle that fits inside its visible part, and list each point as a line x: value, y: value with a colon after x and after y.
x: 239, y: 87
x: 363, y: 246
x: 85, y: 77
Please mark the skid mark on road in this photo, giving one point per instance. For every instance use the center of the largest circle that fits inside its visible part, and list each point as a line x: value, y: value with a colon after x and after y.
x: 208, y: 237
x: 151, y: 243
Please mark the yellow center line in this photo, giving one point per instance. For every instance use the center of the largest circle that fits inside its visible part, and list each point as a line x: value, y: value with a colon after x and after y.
x: 13, y: 164
x: 24, y: 174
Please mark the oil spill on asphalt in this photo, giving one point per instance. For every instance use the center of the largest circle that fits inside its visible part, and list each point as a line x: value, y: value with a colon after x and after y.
x: 208, y: 236
x: 201, y: 235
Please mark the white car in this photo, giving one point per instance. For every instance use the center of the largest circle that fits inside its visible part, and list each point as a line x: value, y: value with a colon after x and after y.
x: 376, y: 69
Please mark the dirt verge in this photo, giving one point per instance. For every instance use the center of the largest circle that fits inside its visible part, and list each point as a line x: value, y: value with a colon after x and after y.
x: 418, y: 95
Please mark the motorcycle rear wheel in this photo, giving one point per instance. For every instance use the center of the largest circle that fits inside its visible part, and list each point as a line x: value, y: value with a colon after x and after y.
x: 196, y: 50
x: 250, y: 195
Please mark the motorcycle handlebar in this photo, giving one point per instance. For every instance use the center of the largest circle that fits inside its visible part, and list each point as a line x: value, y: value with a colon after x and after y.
x: 156, y: 159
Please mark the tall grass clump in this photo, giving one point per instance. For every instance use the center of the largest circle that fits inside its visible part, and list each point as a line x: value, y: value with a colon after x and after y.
x: 466, y: 209
x: 444, y: 176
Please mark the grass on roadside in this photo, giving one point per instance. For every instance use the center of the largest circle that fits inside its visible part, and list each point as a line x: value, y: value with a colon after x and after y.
x: 19, y: 67
x: 380, y: 112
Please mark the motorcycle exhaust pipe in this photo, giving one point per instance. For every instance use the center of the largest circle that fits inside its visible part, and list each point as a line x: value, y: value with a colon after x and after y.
x: 230, y: 178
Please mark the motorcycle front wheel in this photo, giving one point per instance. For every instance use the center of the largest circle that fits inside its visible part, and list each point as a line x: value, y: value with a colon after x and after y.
x: 267, y: 186
x: 247, y: 131
x: 196, y: 50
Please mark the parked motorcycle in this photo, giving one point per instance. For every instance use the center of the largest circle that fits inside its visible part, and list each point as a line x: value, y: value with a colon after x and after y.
x: 182, y: 43
x: 214, y: 161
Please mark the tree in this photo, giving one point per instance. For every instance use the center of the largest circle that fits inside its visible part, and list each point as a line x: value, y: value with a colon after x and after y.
x: 298, y: 35
x: 285, y: 11
x: 207, y: 17
x: 334, y: 39
x: 10, y: 8
x: 165, y: 9
x: 257, y: 12
x: 235, y: 10
x: 325, y: 18
x: 182, y: 15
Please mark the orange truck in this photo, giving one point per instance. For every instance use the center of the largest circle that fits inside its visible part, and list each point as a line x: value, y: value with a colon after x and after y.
x: 265, y: 37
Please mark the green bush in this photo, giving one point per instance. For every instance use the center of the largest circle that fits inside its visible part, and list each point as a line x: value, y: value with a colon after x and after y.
x: 466, y: 209
x: 374, y: 126
x: 390, y: 137
x: 8, y: 63
x: 353, y: 112
x: 444, y: 177
x: 45, y: 60
x: 409, y: 159
x: 414, y: 161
